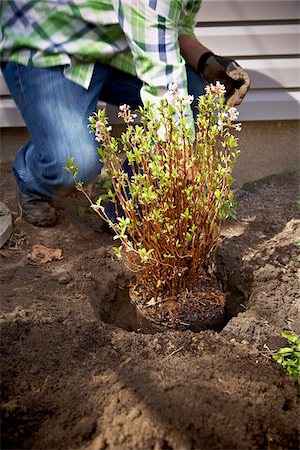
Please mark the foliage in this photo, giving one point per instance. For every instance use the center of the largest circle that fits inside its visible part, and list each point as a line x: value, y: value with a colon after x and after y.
x: 289, y: 357
x: 178, y: 194
x: 17, y: 239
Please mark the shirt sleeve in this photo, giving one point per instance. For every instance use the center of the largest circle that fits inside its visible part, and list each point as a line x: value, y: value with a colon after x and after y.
x: 188, y: 17
x: 151, y: 30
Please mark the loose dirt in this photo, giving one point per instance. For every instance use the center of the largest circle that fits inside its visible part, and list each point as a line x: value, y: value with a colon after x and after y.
x: 75, y: 375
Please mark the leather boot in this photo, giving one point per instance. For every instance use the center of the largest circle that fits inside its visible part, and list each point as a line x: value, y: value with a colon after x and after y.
x: 37, y: 210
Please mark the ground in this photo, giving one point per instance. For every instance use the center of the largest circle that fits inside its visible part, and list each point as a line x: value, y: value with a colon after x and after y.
x: 75, y: 375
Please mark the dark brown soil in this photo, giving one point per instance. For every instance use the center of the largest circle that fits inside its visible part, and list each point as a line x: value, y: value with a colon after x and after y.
x: 75, y: 377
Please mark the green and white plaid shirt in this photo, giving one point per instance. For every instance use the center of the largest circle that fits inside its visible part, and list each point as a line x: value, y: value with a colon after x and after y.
x: 139, y: 37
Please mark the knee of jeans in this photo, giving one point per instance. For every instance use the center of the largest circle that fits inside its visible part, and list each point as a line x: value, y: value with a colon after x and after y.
x: 88, y: 167
x: 88, y: 170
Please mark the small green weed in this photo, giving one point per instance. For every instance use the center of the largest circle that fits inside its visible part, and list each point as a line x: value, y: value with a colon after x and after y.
x: 289, y: 357
x: 17, y: 239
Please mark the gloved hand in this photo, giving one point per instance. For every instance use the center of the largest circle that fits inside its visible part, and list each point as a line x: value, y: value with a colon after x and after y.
x: 228, y: 72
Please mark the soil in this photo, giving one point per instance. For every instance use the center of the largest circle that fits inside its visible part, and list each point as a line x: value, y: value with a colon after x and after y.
x: 77, y: 373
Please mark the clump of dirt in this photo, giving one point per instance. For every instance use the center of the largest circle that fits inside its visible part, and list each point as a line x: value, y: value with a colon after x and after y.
x: 77, y: 373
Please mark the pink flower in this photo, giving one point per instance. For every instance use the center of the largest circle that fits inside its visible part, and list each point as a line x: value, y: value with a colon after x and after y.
x: 175, y: 95
x: 126, y: 114
x: 99, y: 137
x: 188, y: 99
x: 173, y: 88
x: 123, y: 108
x: 218, y: 88
x: 233, y: 113
x: 220, y: 124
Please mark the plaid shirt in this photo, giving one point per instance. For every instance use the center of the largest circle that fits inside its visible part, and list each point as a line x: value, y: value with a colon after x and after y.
x: 139, y: 37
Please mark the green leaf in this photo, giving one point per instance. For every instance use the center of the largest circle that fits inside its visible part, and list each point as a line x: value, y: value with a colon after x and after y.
x: 144, y: 254
x: 188, y: 237
x: 217, y: 194
x: 290, y: 337
x: 186, y: 214
x: 285, y: 351
x: 118, y: 251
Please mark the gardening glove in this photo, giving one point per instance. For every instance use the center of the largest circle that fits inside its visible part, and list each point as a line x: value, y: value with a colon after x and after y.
x: 229, y: 73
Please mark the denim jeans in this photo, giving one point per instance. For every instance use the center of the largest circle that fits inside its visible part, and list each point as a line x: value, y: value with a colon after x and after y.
x: 56, y: 112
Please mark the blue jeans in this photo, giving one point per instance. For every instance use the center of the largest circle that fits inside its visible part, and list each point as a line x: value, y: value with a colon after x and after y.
x: 56, y: 112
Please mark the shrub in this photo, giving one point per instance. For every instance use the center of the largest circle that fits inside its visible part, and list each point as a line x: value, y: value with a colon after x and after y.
x: 171, y: 208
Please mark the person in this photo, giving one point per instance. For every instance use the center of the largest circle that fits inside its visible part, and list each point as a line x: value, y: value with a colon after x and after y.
x: 60, y: 58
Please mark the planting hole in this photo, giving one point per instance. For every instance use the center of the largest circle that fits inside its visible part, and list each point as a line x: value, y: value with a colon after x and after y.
x: 120, y: 312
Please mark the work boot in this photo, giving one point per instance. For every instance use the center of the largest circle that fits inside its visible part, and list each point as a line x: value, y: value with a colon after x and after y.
x: 36, y: 210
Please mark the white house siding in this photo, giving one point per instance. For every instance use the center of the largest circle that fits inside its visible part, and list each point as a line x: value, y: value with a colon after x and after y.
x: 262, y: 35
